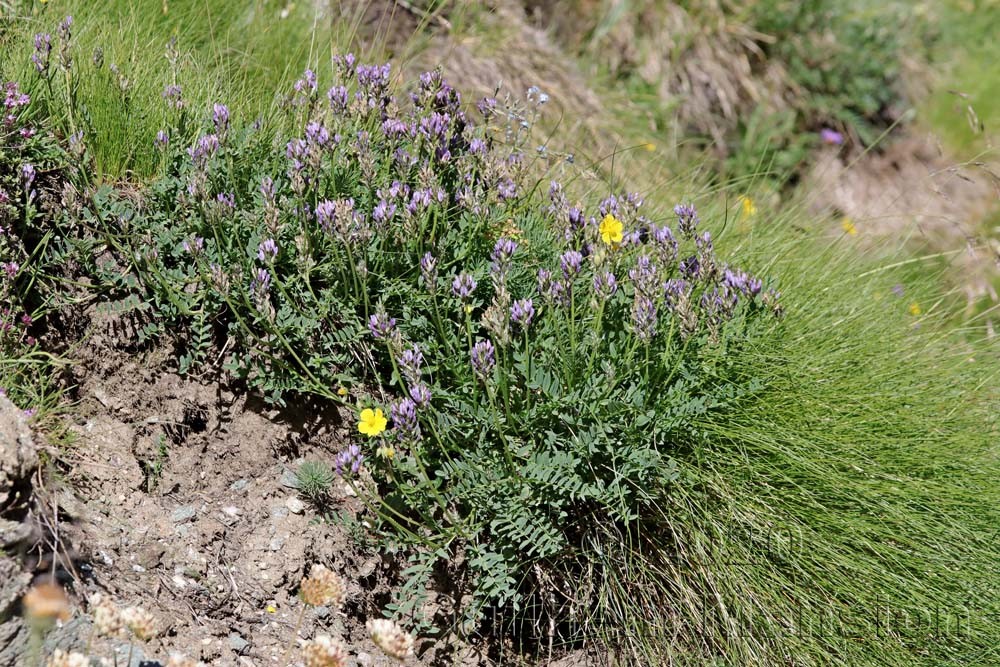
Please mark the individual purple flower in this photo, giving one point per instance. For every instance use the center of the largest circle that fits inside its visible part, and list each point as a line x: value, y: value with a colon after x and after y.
x: 404, y: 418
x: 605, y: 284
x: 11, y: 268
x: 830, y: 136
x: 226, y: 199
x: 571, y: 263
x: 428, y: 272
x: 483, y: 359
x: 162, y: 140
x: 381, y: 325
x: 898, y: 290
x: 349, y: 459
x: 410, y: 362
x: 687, y: 219
x: 644, y: 318
x: 421, y: 394
x: 267, y: 251
x: 500, y: 258
x: 522, y: 313
x: 220, y: 117
x: 463, y: 286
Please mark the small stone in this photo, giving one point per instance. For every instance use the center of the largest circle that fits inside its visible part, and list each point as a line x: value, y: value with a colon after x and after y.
x: 289, y: 480
x: 149, y: 557
x: 237, y: 643
x: 295, y: 506
x: 277, y: 543
x: 182, y: 513
x: 321, y: 611
x: 239, y: 485
x: 365, y: 658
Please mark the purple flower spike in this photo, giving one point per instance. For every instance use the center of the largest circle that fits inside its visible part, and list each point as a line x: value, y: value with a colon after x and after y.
x: 500, y: 258
x: 267, y: 251
x: 421, y: 394
x: 687, y: 219
x: 522, y: 312
x: 428, y: 271
x: 605, y: 285
x: 404, y: 418
x: 571, y: 262
x: 644, y: 318
x: 381, y: 325
x: 483, y: 359
x: 411, y: 362
x: 349, y: 459
x: 220, y: 116
x: 463, y: 286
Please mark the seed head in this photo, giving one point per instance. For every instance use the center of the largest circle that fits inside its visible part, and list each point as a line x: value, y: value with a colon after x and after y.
x: 322, y: 587
x: 61, y: 658
x: 107, y: 617
x: 140, y: 622
x: 324, y: 651
x: 391, y: 638
x: 46, y: 602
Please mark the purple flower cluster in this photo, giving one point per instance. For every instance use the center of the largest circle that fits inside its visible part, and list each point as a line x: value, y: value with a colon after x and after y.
x: 381, y: 325
x: 483, y: 359
x: 348, y: 461
x: 522, y: 313
x: 404, y: 419
x: 463, y: 286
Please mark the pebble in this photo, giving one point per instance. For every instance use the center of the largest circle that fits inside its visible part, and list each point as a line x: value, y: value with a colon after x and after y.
x: 289, y: 480
x: 239, y: 485
x: 182, y: 513
x: 238, y: 643
x: 294, y: 505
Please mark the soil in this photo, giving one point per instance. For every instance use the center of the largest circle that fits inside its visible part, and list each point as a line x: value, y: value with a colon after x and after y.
x: 185, y: 505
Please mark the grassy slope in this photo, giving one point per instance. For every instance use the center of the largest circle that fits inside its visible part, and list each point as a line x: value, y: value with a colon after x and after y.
x: 872, y: 444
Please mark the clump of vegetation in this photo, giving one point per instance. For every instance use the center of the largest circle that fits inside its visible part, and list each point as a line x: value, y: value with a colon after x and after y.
x: 578, y: 413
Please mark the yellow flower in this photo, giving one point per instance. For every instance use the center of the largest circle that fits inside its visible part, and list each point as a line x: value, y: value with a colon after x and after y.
x: 915, y: 308
x: 386, y: 451
x: 342, y: 391
x: 649, y: 146
x: 611, y: 229
x: 849, y: 227
x: 271, y: 609
x: 749, y: 208
x: 372, y: 422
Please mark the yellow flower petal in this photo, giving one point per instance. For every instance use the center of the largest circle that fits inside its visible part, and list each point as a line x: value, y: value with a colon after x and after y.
x: 612, y: 230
